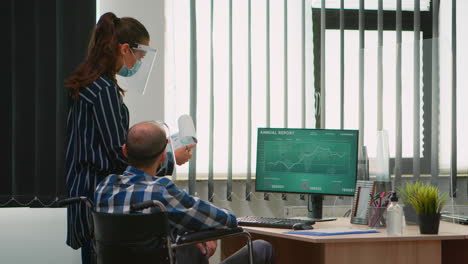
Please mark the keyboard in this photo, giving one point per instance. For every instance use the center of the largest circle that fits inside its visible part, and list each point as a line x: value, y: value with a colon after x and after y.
x: 461, y: 219
x: 271, y: 222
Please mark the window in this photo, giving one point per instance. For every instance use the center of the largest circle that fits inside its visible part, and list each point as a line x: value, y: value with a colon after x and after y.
x: 286, y: 81
x: 281, y: 112
x: 370, y: 63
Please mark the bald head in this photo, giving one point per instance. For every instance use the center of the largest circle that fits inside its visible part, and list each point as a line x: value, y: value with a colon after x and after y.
x: 146, y: 141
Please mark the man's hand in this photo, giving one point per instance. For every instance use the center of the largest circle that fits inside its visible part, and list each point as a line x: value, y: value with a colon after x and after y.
x: 183, y: 154
x: 208, y: 248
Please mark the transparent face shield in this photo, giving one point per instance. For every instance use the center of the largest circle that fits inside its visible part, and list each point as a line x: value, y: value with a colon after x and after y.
x: 167, y: 168
x: 145, y: 57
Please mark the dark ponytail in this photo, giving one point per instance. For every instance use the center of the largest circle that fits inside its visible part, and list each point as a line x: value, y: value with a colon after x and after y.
x: 103, y: 50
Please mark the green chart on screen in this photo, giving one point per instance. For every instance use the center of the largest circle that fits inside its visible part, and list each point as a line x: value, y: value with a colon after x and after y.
x: 321, y: 161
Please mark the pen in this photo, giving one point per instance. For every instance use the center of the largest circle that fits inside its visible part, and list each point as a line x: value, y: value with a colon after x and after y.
x: 382, y: 195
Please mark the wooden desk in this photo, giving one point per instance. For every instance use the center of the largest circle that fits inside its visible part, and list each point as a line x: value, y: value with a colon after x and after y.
x: 410, y: 248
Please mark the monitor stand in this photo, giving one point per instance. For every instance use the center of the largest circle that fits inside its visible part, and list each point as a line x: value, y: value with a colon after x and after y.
x: 314, y: 208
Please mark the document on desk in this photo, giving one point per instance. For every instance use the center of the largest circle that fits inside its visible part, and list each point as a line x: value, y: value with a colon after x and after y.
x: 332, y: 231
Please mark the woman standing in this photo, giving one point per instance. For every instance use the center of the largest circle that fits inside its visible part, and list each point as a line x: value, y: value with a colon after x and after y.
x: 98, y: 119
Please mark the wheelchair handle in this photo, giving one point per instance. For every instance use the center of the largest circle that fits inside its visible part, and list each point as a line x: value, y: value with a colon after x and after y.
x: 74, y: 200
x: 147, y: 204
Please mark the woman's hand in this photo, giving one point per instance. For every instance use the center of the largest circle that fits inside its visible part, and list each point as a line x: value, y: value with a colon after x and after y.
x: 183, y: 154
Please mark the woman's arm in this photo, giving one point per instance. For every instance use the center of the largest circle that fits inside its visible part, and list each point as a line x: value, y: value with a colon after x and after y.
x: 111, y: 123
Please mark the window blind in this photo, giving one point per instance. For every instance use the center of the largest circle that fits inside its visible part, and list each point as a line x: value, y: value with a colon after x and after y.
x: 251, y: 72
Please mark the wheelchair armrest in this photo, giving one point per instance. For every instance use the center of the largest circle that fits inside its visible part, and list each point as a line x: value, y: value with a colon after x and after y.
x: 147, y: 204
x: 206, y: 235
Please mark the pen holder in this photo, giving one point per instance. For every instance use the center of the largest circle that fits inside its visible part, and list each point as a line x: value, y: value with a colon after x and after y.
x: 377, y: 217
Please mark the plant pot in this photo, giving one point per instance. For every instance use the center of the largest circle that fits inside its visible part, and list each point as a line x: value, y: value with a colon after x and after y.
x: 429, y: 223
x: 411, y: 217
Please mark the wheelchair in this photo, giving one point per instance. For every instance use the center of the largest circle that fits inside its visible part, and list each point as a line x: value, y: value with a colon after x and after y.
x: 134, y: 237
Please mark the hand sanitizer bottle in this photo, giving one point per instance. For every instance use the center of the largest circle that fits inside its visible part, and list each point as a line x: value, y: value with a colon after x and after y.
x: 394, y: 217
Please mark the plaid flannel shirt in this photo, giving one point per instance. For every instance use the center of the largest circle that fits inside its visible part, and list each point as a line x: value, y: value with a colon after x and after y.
x: 186, y: 213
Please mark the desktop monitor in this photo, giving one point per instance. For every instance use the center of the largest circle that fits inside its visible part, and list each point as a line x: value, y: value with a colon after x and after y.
x: 307, y: 161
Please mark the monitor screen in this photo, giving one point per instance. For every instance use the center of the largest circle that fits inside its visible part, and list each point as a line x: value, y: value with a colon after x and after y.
x: 308, y: 161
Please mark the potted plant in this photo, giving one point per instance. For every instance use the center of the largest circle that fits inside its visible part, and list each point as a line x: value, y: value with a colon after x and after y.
x: 427, y: 201
x: 404, y: 192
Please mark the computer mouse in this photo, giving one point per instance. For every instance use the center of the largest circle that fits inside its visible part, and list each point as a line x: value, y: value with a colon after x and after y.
x: 301, y: 226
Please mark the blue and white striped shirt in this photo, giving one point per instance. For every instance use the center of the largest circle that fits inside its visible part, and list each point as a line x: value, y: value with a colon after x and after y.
x: 186, y: 213
x: 97, y: 126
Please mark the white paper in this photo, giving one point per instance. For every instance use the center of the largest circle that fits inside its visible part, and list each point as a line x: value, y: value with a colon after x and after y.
x: 186, y: 135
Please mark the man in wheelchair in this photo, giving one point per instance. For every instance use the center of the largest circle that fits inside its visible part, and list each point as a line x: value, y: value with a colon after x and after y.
x: 145, y: 149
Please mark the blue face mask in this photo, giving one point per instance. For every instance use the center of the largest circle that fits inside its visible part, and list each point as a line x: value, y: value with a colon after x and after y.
x: 126, y: 72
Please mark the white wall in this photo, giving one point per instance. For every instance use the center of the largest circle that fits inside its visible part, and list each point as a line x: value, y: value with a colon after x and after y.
x: 35, y: 236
